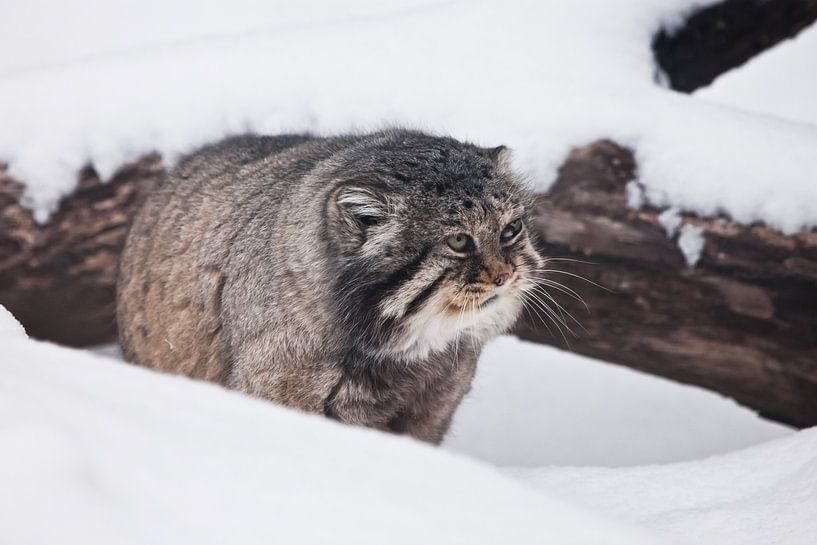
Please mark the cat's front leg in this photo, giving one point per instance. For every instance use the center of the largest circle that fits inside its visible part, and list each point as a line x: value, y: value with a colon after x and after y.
x: 282, y: 376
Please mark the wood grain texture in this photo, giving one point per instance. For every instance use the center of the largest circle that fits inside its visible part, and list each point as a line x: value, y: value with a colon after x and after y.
x: 59, y: 279
x: 742, y: 322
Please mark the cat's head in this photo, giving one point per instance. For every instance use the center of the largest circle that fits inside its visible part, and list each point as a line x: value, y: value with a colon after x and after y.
x: 430, y: 243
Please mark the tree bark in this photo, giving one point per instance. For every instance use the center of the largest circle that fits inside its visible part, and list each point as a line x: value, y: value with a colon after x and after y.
x: 725, y: 35
x: 59, y: 279
x: 742, y: 321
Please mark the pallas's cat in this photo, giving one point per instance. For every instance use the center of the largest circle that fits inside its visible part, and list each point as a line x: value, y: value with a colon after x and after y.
x: 355, y: 276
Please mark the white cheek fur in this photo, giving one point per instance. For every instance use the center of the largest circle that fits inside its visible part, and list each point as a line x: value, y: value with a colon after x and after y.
x: 432, y: 331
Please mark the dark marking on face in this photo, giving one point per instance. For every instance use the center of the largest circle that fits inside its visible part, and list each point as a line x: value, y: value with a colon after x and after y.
x: 402, y: 275
x: 517, y: 242
x: 427, y: 292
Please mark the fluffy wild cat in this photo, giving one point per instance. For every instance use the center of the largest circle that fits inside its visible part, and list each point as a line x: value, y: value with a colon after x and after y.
x: 355, y: 276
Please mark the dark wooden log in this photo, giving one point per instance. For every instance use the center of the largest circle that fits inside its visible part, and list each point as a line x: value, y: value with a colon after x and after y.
x: 725, y: 35
x: 59, y: 279
x: 743, y: 321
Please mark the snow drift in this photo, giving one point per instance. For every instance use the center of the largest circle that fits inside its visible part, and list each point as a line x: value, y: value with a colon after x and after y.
x: 540, y: 77
x: 766, y: 494
x: 95, y: 451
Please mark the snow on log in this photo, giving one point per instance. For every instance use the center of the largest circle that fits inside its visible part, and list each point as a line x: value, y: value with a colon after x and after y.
x: 704, y: 301
x: 741, y: 321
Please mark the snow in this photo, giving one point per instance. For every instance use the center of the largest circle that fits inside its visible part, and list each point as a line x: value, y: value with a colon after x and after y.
x: 9, y: 326
x: 541, y: 77
x: 533, y: 405
x: 670, y: 220
x: 96, y: 451
x: 635, y: 418
x: 781, y: 81
x: 635, y: 194
x: 762, y: 495
x: 691, y: 241
x: 159, y: 24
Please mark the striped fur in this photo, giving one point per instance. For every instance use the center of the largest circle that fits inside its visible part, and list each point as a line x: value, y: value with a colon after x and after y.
x: 316, y: 273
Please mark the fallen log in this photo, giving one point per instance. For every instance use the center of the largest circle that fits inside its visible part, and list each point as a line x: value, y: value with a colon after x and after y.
x: 59, y: 279
x: 741, y: 321
x: 725, y: 35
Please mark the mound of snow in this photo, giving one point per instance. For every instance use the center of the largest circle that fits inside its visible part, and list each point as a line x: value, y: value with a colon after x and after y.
x: 9, y: 326
x: 765, y: 494
x: 533, y: 405
x: 96, y: 451
x: 541, y: 77
x: 781, y: 81
x: 93, y: 451
x: 587, y: 412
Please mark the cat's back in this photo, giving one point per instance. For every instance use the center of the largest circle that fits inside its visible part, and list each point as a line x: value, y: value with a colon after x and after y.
x: 172, y: 271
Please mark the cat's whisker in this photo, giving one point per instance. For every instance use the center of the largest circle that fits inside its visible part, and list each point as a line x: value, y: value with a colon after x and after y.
x: 527, y: 310
x: 559, y: 286
x: 580, y: 277
x: 530, y: 296
x: 569, y: 259
x: 537, y: 309
x: 563, y: 289
x: 540, y: 289
x: 556, y: 315
x: 552, y: 313
x: 536, y: 288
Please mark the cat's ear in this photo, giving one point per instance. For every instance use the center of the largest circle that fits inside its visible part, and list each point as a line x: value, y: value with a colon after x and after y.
x: 360, y: 207
x: 501, y: 157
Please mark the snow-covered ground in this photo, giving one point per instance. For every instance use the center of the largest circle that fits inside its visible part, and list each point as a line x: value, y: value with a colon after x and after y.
x: 93, y: 451
x: 758, y: 496
x: 108, y: 81
x: 533, y: 405
x: 96, y: 451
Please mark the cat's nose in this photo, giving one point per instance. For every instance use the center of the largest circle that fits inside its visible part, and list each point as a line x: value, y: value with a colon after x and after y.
x: 501, y: 278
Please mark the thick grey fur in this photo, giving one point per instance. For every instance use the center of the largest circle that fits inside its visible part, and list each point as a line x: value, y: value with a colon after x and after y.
x: 315, y: 272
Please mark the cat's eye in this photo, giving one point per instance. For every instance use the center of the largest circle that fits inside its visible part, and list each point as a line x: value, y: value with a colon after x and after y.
x: 510, y: 231
x: 460, y: 242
